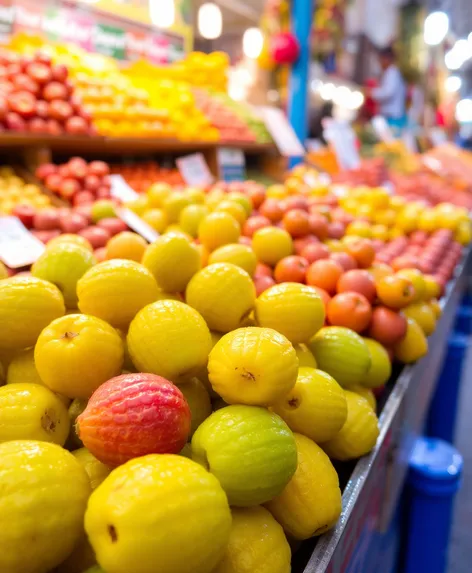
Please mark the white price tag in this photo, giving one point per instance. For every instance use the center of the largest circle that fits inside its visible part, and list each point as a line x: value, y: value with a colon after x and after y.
x: 343, y: 139
x: 194, y: 170
x: 282, y: 132
x: 382, y: 129
x: 137, y: 224
x: 18, y: 247
x: 231, y: 164
x: 121, y: 190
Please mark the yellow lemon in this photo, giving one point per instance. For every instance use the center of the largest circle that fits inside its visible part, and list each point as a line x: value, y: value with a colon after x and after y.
x: 134, y: 518
x: 315, y: 407
x: 310, y: 504
x: 240, y: 255
x: 234, y: 209
x: 359, y: 433
x: 433, y: 289
x: 174, y: 204
x: 255, y: 366
x: 367, y: 394
x: 71, y: 239
x: 423, y: 315
x: 295, y: 310
x: 126, y: 245
x: 198, y: 399
x: 169, y: 338
x: 22, y: 369
x: 223, y: 294
x: 305, y: 356
x: 413, y: 345
x: 380, y: 366
x: 158, y: 193
x: 29, y: 472
x: 77, y: 353
x: 242, y: 199
x: 218, y: 229
x: 256, y: 543
x: 156, y: 219
x: 96, y: 470
x: 27, y: 305
x: 173, y: 261
x: 191, y: 217
x: 272, y: 244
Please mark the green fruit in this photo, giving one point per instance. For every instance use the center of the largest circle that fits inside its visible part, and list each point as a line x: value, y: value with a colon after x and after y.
x: 103, y: 209
x: 250, y: 450
x: 342, y: 353
x: 380, y: 369
x: 198, y: 400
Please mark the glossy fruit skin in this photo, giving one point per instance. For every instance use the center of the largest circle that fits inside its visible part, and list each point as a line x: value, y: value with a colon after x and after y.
x: 126, y: 245
x: 256, y: 543
x: 191, y: 217
x: 134, y: 415
x: 297, y: 223
x: 414, y: 344
x: 422, y: 313
x: 315, y: 407
x: 32, y: 412
x: 295, y: 310
x: 272, y: 244
x: 350, y: 309
x: 387, y: 326
x: 116, y: 291
x: 358, y: 280
x: 324, y: 274
x: 22, y: 369
x: 291, y: 269
x: 305, y: 356
x: 223, y: 294
x: 417, y: 279
x: 367, y: 394
x: 311, y: 502
x: 27, y: 305
x: 29, y: 472
x: 218, y: 229
x: 380, y: 368
x: 363, y: 251
x: 395, y: 291
x: 76, y: 353
x: 239, y: 255
x: 358, y: 435
x: 342, y: 353
x: 96, y: 470
x: 252, y: 470
x: 198, y: 400
x: 63, y: 266
x: 173, y: 260
x: 254, y: 366
x: 149, y: 494
x: 170, y: 339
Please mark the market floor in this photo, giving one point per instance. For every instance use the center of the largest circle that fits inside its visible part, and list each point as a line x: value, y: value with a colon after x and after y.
x: 460, y: 548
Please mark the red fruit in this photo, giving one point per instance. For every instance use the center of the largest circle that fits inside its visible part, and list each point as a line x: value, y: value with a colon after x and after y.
x: 363, y: 251
x: 15, y: 122
x: 22, y: 103
x: 64, y: 171
x: 39, y: 72
x: 25, y: 83
x: 272, y: 209
x: 315, y: 252
x: 55, y: 91
x: 73, y: 223
x: 46, y: 236
x: 133, y: 415
x: 85, y: 209
x: 387, y: 326
x: 54, y: 127
x: 335, y: 230
x: 291, y: 270
x: 60, y: 110
x: 318, y: 226
x: 405, y: 262
x: 53, y: 182
x: 78, y: 167
x: 105, y: 193
x: 59, y: 73
x: 350, y: 309
x: 324, y: 274
x: 83, y: 197
x: 44, y: 170
x: 100, y: 254
x: 324, y: 296
x: 68, y: 188
x: 359, y: 281
x: 92, y: 182
x: 3, y: 108
x: 43, y: 58
x: 263, y: 270
x: 347, y: 262
x: 99, y: 168
x: 262, y: 283
x: 37, y: 125
x: 25, y: 214
x: 113, y: 225
x: 255, y: 223
x: 46, y: 219
x: 96, y: 236
x: 294, y: 202
x: 13, y: 70
x: 76, y: 125
x: 257, y: 195
x: 297, y: 223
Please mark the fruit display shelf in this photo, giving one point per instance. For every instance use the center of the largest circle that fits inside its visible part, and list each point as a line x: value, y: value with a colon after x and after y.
x: 372, y: 493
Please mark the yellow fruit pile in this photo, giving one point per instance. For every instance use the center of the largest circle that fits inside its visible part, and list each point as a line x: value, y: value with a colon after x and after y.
x: 15, y: 191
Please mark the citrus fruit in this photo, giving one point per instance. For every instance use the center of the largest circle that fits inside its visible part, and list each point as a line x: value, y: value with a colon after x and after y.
x: 103, y: 209
x: 156, y: 219
x: 367, y: 394
x: 223, y: 294
x: 218, y: 229
x: 310, y: 504
x: 255, y: 366
x: 63, y: 265
x: 359, y: 433
x: 32, y: 412
x: 39, y: 529
x: 158, y: 193
x: 70, y: 238
x: 116, y: 290
x: 342, y: 353
x: 173, y: 261
x: 191, y: 217
x: 295, y: 310
x: 250, y: 450
x: 380, y: 367
x: 134, y: 518
x: 242, y: 199
x: 198, y: 400
x: 272, y: 244
x: 414, y: 344
x: 77, y: 353
x: 27, y: 305
x: 234, y: 209
x: 169, y: 338
x: 126, y: 245
x: 315, y: 407
x: 22, y: 369
x: 418, y: 281
x: 256, y: 543
x: 134, y: 415
x: 305, y: 356
x: 423, y: 314
x: 96, y: 471
x: 239, y: 255
x: 174, y: 204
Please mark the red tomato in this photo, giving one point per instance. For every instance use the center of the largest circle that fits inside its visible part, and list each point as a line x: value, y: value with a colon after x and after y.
x: 291, y: 270
x: 350, y: 309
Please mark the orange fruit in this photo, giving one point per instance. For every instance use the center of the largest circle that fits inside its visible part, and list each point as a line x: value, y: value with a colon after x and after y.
x: 395, y: 291
x: 126, y: 245
x: 417, y: 279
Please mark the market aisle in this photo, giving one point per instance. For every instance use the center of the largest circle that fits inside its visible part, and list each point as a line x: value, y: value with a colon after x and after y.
x: 460, y: 553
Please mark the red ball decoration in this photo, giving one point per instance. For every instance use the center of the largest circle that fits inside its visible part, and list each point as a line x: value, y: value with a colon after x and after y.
x: 284, y: 48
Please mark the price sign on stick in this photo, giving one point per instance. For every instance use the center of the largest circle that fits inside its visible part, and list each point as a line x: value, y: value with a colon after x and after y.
x: 281, y: 131
x: 194, y: 170
x: 137, y: 224
x: 231, y: 164
x: 121, y: 190
x: 18, y: 247
x: 343, y: 139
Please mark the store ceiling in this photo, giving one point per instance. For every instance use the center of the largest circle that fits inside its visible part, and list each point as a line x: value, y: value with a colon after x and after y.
x: 237, y: 14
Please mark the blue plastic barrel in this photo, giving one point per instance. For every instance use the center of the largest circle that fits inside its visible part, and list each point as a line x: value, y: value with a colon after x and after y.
x: 463, y: 322
x: 434, y: 479
x: 443, y: 412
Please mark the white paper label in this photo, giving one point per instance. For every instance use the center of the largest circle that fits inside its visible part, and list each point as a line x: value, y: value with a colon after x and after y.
x: 18, y: 247
x: 282, y: 132
x: 194, y: 170
x: 121, y: 190
x: 437, y: 136
x: 231, y: 164
x: 382, y: 129
x: 343, y: 139
x: 137, y: 224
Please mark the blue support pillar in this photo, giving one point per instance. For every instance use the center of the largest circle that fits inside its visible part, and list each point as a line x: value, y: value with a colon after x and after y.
x: 302, y: 20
